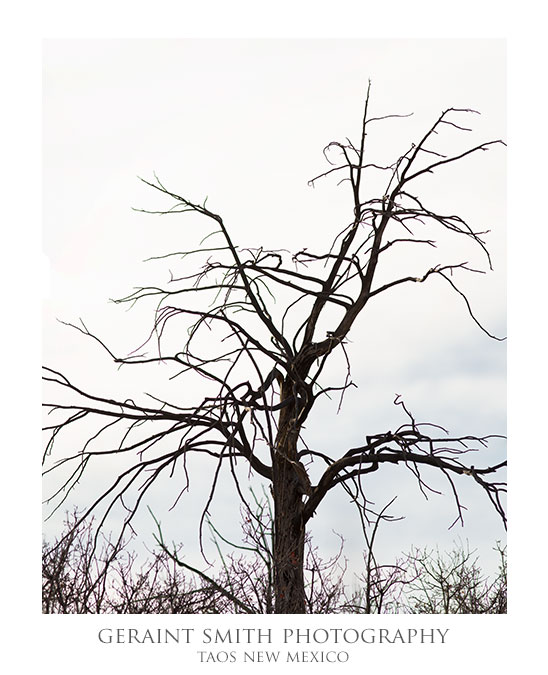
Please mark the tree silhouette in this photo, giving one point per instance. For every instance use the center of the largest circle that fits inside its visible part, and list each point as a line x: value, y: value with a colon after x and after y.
x: 259, y: 327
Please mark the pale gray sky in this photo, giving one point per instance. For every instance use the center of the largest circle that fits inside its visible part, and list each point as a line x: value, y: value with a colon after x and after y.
x: 244, y: 123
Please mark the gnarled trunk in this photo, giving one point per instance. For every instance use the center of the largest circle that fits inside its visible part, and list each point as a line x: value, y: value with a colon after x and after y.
x: 288, y: 540
x: 288, y: 489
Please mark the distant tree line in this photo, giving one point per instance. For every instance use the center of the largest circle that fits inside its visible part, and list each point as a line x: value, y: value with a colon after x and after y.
x: 84, y: 576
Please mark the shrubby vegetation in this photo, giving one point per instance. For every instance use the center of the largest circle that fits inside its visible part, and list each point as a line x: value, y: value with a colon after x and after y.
x: 83, y: 574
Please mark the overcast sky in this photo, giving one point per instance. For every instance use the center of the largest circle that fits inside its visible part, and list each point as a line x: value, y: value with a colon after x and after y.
x: 243, y: 122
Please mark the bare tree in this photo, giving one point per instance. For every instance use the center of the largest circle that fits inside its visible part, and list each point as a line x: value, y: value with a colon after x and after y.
x: 266, y: 366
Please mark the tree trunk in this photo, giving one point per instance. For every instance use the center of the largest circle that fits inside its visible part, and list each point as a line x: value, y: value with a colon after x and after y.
x: 287, y: 488
x: 288, y: 541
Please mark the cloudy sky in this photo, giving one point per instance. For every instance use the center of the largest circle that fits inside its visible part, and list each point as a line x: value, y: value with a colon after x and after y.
x: 244, y: 122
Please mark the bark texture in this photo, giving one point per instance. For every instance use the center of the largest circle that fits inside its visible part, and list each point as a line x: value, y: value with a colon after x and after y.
x: 288, y: 487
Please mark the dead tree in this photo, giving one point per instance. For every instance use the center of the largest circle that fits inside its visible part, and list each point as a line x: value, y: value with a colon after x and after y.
x: 266, y: 369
